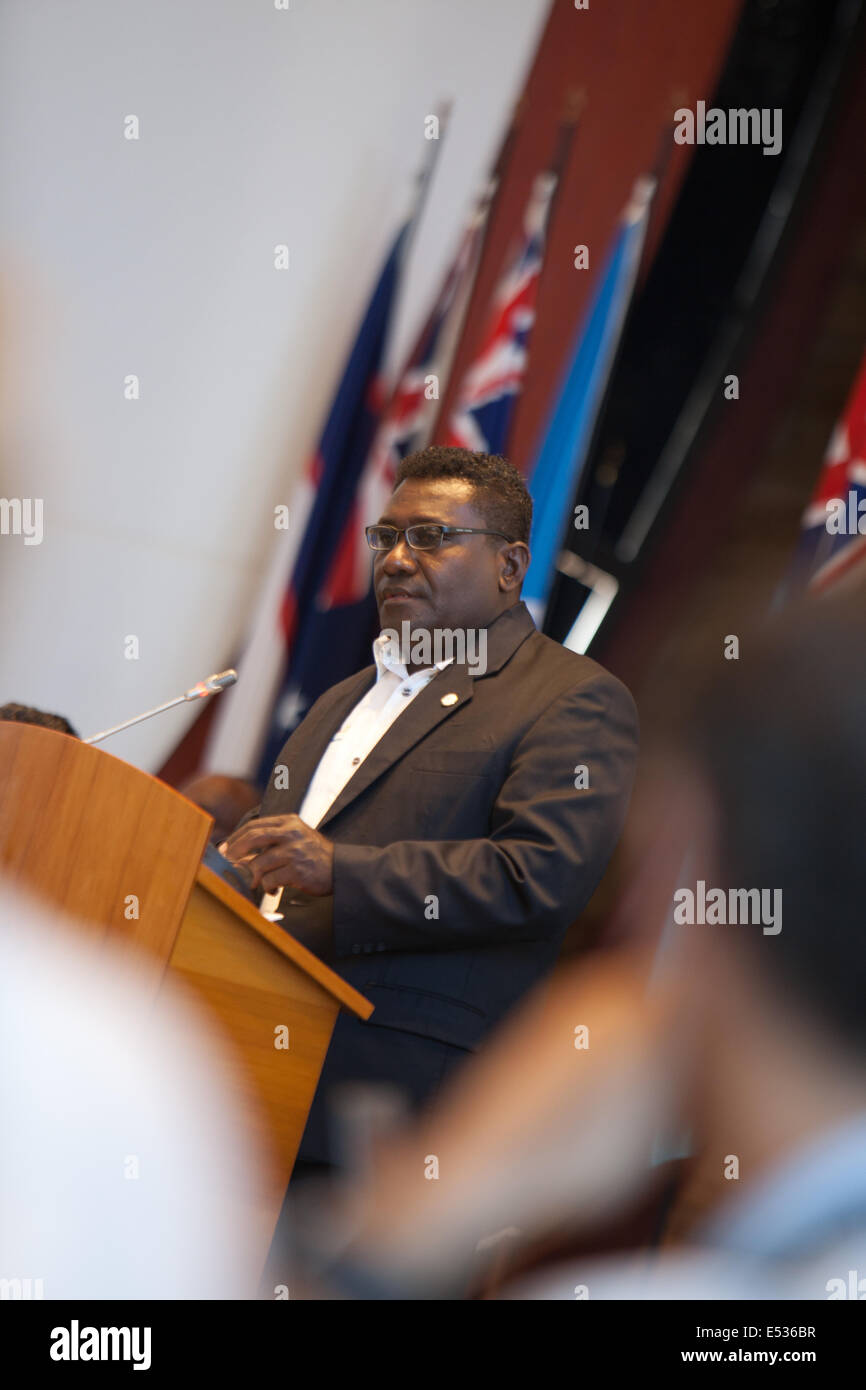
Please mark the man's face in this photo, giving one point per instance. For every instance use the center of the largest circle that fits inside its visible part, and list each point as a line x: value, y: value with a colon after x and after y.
x: 466, y: 583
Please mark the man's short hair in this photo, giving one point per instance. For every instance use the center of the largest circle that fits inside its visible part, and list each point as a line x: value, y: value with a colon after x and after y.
x: 501, y: 495
x: 26, y: 714
x: 780, y: 741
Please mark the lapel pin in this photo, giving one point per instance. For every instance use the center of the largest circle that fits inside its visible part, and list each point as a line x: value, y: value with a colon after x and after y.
x: 449, y: 699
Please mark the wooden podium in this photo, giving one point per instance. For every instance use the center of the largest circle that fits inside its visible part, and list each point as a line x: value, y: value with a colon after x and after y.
x: 120, y: 852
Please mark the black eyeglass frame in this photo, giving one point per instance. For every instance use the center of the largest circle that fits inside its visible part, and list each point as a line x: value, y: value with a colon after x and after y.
x: 428, y: 525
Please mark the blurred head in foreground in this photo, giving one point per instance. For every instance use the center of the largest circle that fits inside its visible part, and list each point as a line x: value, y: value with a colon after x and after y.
x: 773, y: 777
x: 132, y: 1165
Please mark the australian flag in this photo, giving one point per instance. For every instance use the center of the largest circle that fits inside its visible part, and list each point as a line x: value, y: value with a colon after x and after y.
x: 833, y: 538
x: 318, y: 634
x: 485, y: 401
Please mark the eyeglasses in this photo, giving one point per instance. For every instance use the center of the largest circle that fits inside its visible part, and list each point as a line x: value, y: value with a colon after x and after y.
x: 425, y: 536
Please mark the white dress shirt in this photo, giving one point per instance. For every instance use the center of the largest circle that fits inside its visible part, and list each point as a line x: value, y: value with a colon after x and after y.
x: 392, y: 693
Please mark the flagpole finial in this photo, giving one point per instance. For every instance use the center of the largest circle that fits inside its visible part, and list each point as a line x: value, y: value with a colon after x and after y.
x: 642, y: 193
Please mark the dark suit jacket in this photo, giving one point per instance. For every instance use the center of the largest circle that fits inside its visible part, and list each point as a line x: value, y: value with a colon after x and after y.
x: 463, y: 850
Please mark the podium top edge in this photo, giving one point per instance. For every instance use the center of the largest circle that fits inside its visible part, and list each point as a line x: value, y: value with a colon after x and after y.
x: 285, y: 943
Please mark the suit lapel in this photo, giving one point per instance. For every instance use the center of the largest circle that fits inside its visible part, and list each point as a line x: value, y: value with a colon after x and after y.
x: 303, y: 751
x: 424, y: 713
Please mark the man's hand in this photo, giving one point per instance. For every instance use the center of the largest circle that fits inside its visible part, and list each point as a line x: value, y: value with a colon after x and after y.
x: 282, y: 852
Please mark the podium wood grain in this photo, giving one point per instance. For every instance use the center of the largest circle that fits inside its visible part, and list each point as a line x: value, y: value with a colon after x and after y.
x: 88, y: 832
x: 275, y: 1000
x: 95, y: 837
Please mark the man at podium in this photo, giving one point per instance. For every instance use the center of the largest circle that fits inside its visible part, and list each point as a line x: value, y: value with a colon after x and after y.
x: 438, y: 820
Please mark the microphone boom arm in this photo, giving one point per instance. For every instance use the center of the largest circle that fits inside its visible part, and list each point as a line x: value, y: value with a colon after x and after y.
x: 212, y: 686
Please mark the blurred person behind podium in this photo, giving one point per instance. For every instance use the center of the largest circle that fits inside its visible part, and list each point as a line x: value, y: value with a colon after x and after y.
x: 26, y: 714
x: 434, y: 842
x: 753, y: 1039
x: 226, y: 799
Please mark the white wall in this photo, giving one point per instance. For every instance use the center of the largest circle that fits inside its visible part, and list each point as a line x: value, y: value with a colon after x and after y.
x: 155, y: 257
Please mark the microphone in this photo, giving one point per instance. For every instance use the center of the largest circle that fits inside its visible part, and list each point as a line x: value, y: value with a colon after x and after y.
x: 212, y: 685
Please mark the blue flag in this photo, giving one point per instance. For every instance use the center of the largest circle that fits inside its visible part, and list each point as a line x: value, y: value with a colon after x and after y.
x: 554, y: 478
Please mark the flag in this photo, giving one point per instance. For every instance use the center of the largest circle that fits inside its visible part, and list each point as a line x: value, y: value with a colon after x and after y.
x: 315, y: 634
x: 266, y: 708
x: 407, y: 422
x: 294, y: 646
x: 554, y: 477
x: 485, y: 401
x: 337, y: 640
x: 832, y: 544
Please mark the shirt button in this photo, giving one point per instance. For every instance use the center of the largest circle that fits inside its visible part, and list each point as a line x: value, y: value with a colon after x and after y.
x: 406, y: 692
x: 355, y: 762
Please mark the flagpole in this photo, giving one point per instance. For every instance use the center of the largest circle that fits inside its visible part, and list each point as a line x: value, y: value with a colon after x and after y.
x: 484, y: 211
x: 227, y: 745
x: 422, y: 181
x: 573, y: 108
x: 421, y: 191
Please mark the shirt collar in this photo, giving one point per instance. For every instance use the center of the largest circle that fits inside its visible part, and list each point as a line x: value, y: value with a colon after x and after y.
x: 386, y: 661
